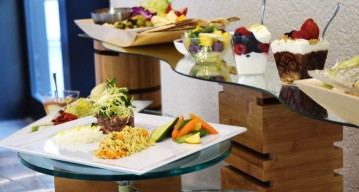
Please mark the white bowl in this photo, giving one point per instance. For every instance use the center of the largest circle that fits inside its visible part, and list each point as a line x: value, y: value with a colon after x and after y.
x: 180, y: 47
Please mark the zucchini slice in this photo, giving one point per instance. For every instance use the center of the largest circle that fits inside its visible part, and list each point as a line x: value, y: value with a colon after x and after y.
x: 164, y: 131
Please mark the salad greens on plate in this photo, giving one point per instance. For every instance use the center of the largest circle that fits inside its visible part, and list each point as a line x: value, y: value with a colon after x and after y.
x: 344, y: 76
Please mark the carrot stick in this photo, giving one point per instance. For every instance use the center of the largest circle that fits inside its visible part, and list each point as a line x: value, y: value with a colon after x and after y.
x: 175, y: 128
x: 209, y: 128
x: 192, y: 116
x: 205, y: 125
x: 188, y: 127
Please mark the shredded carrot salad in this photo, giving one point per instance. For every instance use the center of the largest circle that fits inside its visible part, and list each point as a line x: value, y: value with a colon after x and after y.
x: 124, y: 143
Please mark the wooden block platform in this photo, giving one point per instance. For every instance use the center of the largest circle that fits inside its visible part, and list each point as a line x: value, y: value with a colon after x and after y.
x: 282, y: 150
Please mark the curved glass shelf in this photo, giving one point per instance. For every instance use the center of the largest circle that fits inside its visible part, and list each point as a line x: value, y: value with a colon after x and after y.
x: 268, y: 83
x: 195, y: 162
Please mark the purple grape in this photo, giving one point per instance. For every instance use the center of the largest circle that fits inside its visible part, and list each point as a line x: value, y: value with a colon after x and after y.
x: 217, y: 46
x: 194, y: 48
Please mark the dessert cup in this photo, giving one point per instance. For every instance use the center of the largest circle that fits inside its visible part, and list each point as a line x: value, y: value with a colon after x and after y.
x: 298, y: 51
x: 250, y: 49
x: 294, y: 58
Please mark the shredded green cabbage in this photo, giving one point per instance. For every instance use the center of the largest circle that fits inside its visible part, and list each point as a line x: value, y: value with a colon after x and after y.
x: 97, y: 90
x: 113, y: 102
x: 81, y: 108
x: 353, y: 62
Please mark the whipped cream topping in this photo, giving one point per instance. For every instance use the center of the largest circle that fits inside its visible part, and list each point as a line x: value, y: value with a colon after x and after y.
x: 261, y: 33
x: 298, y: 46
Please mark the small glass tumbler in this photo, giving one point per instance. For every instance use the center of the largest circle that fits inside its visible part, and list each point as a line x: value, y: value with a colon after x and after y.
x: 54, y: 101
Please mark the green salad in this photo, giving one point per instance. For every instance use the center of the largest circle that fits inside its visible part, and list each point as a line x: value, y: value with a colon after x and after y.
x: 344, y: 76
x: 113, y: 102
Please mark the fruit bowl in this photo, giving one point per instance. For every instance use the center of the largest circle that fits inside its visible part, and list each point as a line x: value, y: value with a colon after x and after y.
x: 180, y: 47
x: 207, y: 48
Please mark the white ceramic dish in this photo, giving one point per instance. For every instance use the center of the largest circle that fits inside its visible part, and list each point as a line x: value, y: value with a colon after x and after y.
x: 341, y: 104
x: 180, y: 47
x: 162, y: 153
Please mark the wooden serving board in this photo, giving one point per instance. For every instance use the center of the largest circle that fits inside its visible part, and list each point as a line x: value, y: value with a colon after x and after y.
x: 126, y: 38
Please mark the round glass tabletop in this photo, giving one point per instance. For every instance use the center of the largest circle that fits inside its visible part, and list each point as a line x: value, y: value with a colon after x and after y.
x: 195, y: 162
x: 268, y: 83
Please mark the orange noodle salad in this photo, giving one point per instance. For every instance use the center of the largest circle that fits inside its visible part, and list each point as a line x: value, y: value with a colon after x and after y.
x: 124, y: 143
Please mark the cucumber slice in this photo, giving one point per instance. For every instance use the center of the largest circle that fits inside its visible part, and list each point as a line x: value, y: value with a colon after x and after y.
x: 203, y: 132
x: 164, y: 131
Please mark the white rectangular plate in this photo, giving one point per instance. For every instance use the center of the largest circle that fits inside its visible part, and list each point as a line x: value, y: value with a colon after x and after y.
x: 162, y: 153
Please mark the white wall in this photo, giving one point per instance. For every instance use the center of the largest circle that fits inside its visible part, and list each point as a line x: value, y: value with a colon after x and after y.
x: 182, y: 95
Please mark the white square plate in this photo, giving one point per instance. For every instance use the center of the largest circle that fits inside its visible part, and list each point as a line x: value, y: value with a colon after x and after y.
x: 160, y: 154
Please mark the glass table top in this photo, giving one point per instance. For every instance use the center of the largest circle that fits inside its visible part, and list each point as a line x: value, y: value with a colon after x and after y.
x: 195, y: 162
x: 268, y: 83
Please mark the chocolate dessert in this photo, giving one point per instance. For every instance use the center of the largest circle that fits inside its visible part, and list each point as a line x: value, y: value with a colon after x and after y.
x: 297, y: 52
x: 293, y: 67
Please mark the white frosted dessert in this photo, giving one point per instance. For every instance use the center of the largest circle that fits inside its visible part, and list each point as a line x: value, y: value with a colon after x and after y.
x: 250, y: 48
x: 299, y: 51
x: 298, y: 46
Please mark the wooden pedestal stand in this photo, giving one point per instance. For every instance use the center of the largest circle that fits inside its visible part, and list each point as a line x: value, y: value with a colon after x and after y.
x: 141, y: 75
x: 282, y: 150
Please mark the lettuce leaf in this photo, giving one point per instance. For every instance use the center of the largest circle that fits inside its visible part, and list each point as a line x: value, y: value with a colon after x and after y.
x: 157, y: 6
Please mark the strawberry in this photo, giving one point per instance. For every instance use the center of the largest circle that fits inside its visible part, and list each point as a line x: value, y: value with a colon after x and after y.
x: 264, y: 47
x: 311, y: 28
x: 169, y: 8
x: 184, y: 11
x: 300, y: 35
x: 180, y: 12
x: 242, y: 31
x: 239, y: 49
